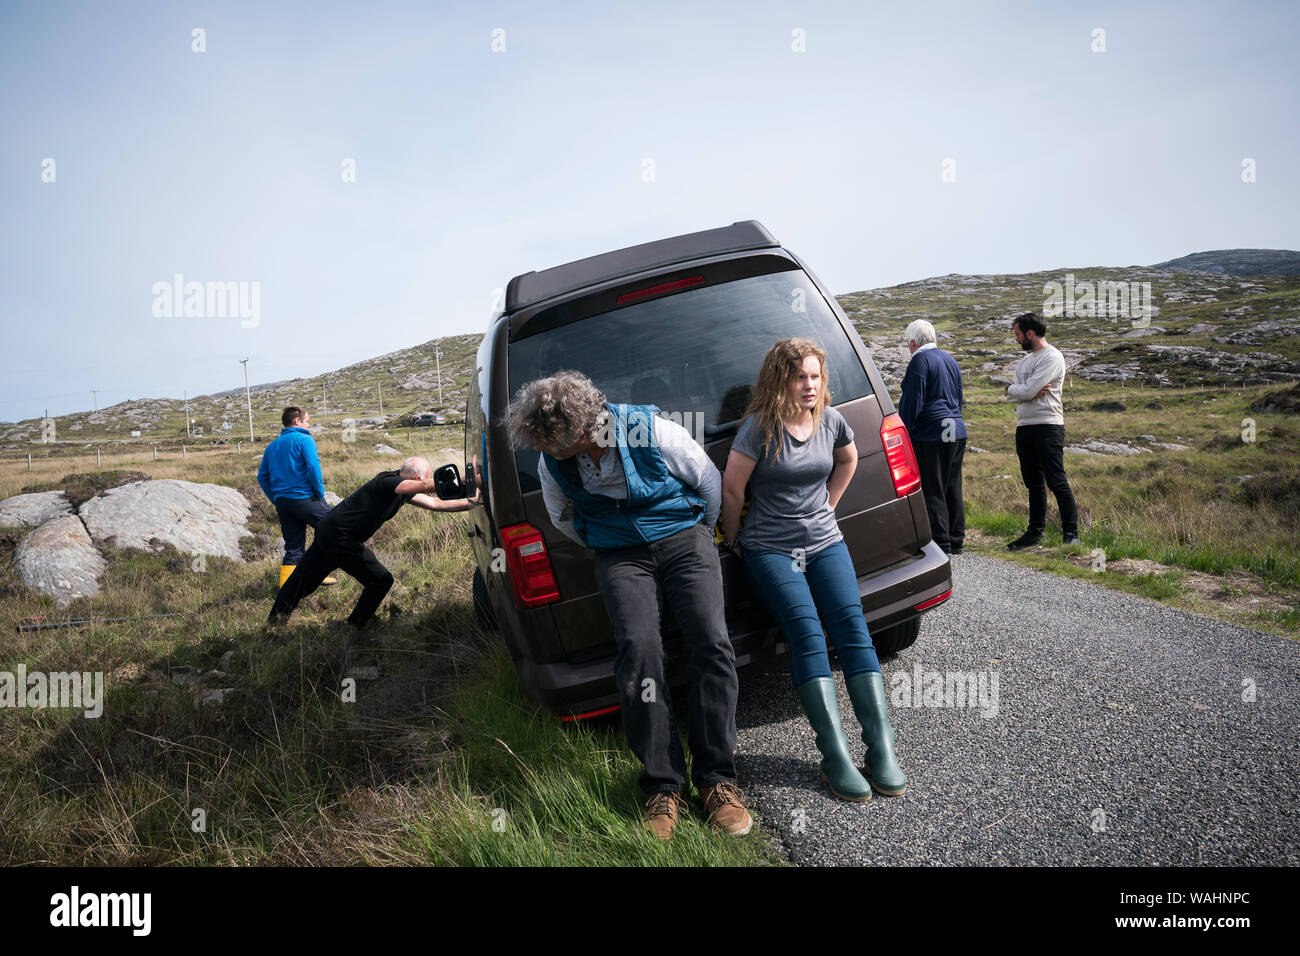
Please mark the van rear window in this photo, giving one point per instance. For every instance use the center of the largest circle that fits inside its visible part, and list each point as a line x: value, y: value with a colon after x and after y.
x: 695, y: 354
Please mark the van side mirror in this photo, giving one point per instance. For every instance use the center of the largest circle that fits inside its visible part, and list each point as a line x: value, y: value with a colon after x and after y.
x: 447, y: 481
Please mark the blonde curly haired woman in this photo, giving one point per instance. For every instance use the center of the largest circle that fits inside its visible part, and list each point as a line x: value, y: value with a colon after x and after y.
x: 797, y: 454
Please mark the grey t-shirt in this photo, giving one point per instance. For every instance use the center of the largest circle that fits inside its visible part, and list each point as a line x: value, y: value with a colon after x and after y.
x: 789, y: 504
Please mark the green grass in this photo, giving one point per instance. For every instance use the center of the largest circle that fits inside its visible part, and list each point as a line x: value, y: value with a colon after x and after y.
x: 527, y: 790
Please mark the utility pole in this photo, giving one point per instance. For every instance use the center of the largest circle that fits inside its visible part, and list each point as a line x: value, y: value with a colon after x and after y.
x: 95, y: 393
x: 381, y: 399
x: 437, y: 357
x: 248, y: 398
x: 187, y: 414
x: 324, y: 414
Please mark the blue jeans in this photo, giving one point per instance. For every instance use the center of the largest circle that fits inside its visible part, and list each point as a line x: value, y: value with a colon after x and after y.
x: 826, y: 591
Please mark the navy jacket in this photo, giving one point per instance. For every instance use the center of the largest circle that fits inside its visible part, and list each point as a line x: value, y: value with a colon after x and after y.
x: 931, y: 394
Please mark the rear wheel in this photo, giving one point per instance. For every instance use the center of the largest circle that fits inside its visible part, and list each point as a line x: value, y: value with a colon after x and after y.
x: 487, y: 617
x: 900, y: 637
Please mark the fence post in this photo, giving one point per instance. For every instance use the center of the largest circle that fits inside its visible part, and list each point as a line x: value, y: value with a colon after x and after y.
x: 29, y: 461
x: 184, y: 457
x: 97, y: 462
x: 155, y: 452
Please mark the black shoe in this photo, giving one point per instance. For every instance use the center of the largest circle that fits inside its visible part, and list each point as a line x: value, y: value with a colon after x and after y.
x: 957, y: 550
x: 1069, y: 539
x: 1026, y: 540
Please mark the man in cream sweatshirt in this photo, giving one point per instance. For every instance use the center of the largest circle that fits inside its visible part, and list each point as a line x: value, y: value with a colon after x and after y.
x: 1040, y: 431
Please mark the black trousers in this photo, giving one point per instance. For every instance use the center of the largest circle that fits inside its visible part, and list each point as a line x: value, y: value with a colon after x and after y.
x: 326, y: 553
x: 686, y: 565
x: 1041, y: 449
x: 295, y: 515
x: 940, y: 464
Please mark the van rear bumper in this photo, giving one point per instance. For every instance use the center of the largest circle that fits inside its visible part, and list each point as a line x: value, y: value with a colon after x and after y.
x: 575, y: 690
x: 890, y: 595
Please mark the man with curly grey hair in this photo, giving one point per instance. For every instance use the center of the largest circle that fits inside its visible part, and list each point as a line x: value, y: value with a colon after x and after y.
x: 641, y: 493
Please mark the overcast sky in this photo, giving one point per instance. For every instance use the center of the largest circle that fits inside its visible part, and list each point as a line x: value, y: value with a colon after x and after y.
x: 590, y: 127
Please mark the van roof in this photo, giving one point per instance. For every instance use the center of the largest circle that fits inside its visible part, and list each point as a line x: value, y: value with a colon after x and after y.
x: 530, y: 288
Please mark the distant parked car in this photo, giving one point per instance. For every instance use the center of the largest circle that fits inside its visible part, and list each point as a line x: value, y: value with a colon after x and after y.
x: 683, y: 324
x: 429, y: 418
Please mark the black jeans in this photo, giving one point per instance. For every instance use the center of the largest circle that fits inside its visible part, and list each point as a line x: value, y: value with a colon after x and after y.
x: 940, y: 464
x: 326, y: 553
x: 295, y: 515
x: 686, y: 566
x: 1041, y: 449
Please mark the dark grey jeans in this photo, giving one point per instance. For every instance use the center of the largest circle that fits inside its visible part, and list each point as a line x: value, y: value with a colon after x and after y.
x: 686, y: 566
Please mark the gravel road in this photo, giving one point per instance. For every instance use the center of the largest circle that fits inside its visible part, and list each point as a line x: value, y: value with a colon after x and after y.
x: 1117, y: 735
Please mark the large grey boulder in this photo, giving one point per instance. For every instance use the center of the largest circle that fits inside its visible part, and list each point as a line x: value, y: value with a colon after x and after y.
x: 59, y: 559
x: 32, y: 510
x: 192, y: 517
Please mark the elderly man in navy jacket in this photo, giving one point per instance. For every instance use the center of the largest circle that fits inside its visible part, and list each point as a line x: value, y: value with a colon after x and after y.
x: 930, y: 407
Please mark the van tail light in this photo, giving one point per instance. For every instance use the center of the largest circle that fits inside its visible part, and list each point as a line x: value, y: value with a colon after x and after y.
x: 529, y: 566
x: 933, y: 601
x: 898, y: 452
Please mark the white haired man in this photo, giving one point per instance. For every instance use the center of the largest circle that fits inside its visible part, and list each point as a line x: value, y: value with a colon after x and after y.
x: 930, y: 407
x: 641, y: 493
x: 342, y: 534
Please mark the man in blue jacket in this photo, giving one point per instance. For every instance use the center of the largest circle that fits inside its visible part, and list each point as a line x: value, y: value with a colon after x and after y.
x: 291, y: 477
x: 930, y: 407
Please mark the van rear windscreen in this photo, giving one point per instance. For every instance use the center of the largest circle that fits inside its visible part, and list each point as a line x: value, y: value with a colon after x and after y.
x: 695, y: 354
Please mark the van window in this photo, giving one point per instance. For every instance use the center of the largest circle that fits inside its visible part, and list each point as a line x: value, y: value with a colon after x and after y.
x: 695, y: 354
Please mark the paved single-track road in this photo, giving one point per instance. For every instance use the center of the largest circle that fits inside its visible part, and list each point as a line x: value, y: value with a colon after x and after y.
x: 1122, y: 732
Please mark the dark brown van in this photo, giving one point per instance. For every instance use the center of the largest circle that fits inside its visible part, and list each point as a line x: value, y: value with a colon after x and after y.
x: 683, y: 324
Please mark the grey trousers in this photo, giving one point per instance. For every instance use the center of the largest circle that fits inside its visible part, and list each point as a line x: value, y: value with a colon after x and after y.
x: 686, y: 566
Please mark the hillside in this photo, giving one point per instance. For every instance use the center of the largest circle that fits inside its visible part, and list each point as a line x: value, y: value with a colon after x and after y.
x: 1204, y: 328
x: 1239, y: 262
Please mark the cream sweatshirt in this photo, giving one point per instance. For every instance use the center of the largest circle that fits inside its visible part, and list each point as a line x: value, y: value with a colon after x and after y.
x: 1044, y: 367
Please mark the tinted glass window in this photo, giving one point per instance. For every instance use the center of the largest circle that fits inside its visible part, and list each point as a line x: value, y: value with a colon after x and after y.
x: 695, y: 354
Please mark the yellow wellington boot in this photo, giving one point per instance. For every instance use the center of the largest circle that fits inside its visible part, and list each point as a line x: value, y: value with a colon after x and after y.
x: 285, y: 571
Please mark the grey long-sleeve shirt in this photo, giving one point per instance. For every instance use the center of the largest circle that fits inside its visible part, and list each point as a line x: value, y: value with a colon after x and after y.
x: 682, y: 454
x: 1046, y: 366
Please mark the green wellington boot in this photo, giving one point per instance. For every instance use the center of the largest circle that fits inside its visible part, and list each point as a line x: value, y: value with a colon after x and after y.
x: 867, y: 691
x: 818, y: 699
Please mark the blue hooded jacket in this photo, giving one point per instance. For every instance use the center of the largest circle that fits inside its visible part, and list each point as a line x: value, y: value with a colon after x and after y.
x: 290, y: 467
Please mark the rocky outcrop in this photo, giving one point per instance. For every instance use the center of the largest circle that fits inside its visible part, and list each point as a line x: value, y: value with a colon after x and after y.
x: 192, y: 517
x: 59, y: 559
x: 32, y: 510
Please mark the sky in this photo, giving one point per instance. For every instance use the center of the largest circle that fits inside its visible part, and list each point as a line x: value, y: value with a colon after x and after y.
x: 377, y: 172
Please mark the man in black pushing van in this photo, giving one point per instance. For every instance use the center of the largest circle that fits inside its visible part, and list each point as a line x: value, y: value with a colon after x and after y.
x: 341, y: 539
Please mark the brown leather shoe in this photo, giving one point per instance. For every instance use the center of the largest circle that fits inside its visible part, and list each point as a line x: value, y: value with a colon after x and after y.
x: 725, y: 805
x: 661, y: 812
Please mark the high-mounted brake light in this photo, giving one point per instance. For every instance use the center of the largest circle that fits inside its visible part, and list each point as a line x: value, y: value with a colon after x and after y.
x: 658, y: 289
x: 529, y: 566
x: 898, y: 452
